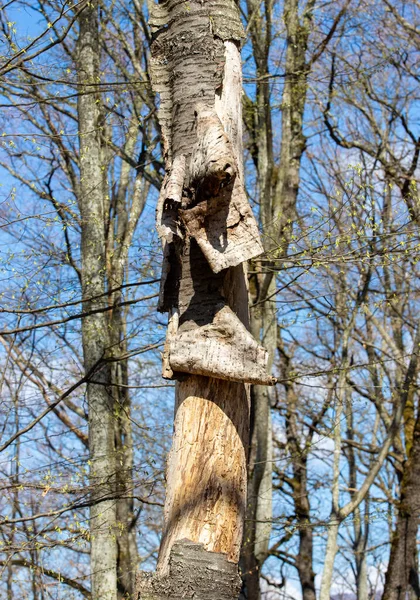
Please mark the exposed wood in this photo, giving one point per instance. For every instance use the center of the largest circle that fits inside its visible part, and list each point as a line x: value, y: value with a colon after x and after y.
x: 209, y: 233
x: 206, y: 472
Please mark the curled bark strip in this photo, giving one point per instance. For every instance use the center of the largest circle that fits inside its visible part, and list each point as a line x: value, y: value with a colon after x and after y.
x: 175, y: 184
x: 224, y: 349
x: 224, y: 228
x: 170, y: 196
x: 170, y: 277
x: 212, y: 161
x: 168, y: 227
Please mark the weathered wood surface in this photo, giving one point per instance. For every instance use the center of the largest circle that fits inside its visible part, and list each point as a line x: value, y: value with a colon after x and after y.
x: 223, y: 346
x: 206, y: 470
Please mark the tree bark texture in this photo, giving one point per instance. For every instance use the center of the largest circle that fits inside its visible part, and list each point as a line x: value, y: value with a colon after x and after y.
x: 402, y: 580
x: 208, y: 233
x: 193, y: 573
x: 95, y: 331
x: 123, y: 213
x: 127, y: 554
x: 260, y: 465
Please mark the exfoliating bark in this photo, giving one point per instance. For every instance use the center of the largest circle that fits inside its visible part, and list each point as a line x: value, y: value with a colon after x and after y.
x: 208, y: 233
x: 203, y: 216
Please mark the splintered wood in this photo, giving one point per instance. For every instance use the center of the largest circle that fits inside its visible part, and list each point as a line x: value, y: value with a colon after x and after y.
x: 203, y: 211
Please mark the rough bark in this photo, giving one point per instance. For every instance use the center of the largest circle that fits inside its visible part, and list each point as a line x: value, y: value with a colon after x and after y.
x: 304, y: 558
x: 208, y: 233
x: 402, y: 578
x: 94, y: 327
x: 193, y: 573
x: 203, y: 215
x: 259, y: 500
x: 127, y: 555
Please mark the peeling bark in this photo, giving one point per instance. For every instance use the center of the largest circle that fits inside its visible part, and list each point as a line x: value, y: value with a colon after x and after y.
x: 203, y: 210
x: 208, y: 232
x: 225, y: 347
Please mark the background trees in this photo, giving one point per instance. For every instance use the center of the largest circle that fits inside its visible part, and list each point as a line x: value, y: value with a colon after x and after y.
x: 331, y: 154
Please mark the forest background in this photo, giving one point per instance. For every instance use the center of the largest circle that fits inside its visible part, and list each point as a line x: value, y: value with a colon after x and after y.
x: 331, y: 142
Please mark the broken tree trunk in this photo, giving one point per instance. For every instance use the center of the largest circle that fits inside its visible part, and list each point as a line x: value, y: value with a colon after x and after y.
x: 208, y: 233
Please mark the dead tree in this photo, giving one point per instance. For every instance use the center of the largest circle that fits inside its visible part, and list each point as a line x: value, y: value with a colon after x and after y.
x: 208, y: 233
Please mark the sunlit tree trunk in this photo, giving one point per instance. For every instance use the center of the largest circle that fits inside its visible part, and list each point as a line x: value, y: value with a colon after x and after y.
x: 208, y: 232
x: 95, y: 330
x: 278, y: 185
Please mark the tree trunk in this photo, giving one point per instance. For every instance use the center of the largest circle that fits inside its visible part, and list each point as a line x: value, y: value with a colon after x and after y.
x: 259, y: 501
x: 304, y: 558
x: 402, y: 578
x: 299, y: 457
x: 278, y: 195
x: 127, y: 557
x: 361, y: 534
x: 208, y: 232
x: 339, y: 514
x: 94, y: 327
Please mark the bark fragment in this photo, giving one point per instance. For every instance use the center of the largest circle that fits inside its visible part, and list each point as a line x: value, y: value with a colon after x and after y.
x: 167, y: 372
x: 203, y: 196
x: 225, y: 347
